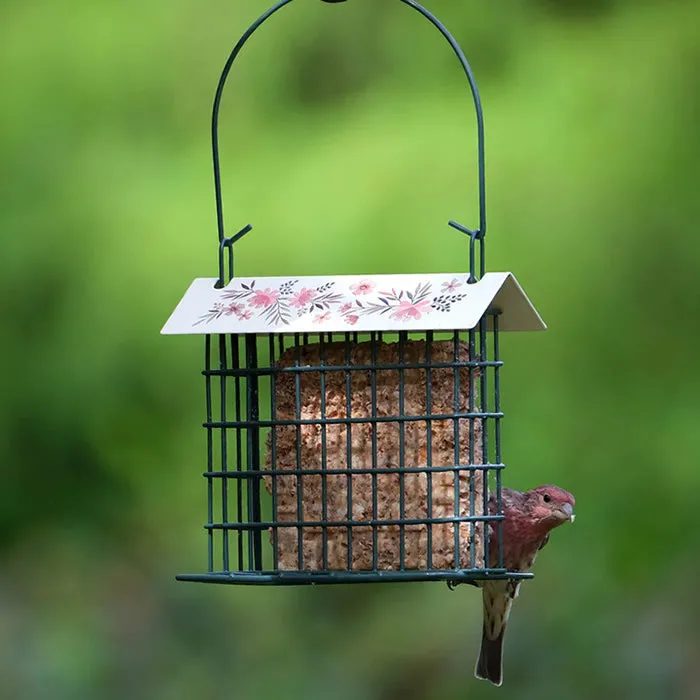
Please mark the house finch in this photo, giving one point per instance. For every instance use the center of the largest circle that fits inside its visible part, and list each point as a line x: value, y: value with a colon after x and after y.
x: 529, y: 518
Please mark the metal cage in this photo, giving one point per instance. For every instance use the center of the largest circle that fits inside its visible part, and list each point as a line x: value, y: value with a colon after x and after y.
x: 242, y: 377
x: 353, y: 423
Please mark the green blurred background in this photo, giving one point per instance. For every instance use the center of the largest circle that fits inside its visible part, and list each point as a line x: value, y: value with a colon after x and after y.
x: 348, y: 140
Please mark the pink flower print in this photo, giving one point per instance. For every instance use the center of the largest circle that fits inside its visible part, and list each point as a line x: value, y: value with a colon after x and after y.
x: 244, y: 315
x: 302, y: 298
x: 345, y: 308
x: 363, y: 287
x: 322, y: 318
x: 407, y: 310
x: 352, y: 319
x: 262, y: 298
x: 234, y: 308
x: 450, y: 287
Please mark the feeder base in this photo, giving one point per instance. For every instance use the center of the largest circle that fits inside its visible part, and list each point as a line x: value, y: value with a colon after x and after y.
x: 300, y: 578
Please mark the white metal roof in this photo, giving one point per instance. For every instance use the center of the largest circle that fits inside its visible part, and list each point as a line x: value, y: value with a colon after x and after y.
x: 351, y: 303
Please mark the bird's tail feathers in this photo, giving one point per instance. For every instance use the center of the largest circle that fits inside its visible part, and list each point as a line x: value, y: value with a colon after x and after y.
x: 489, y: 665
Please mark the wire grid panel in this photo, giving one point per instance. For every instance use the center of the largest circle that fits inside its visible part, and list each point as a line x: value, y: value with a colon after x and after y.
x: 347, y: 453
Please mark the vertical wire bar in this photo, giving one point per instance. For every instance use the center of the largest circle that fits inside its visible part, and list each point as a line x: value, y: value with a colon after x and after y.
x: 230, y: 263
x: 324, y: 455
x: 224, y: 451
x: 273, y: 451
x: 482, y: 256
x: 348, y: 444
x: 375, y: 497
x: 403, y: 337
x: 300, y: 482
x: 429, y: 443
x: 472, y: 437
x: 236, y: 361
x: 485, y: 427
x: 497, y: 420
x: 472, y: 259
x: 456, y: 408
x: 210, y: 455
x: 253, y: 449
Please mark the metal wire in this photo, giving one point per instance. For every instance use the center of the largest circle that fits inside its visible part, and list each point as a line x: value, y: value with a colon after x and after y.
x: 374, y: 339
x: 261, y: 371
x: 253, y: 454
x: 484, y: 403
x: 224, y: 448
x: 297, y: 578
x: 429, y: 443
x: 457, y: 454
x: 341, y: 471
x: 497, y: 408
x: 273, y: 455
x: 401, y: 419
x: 300, y: 482
x: 324, y: 451
x: 475, y: 234
x: 349, y: 523
x: 210, y: 456
x: 226, y: 364
x: 348, y: 443
x: 402, y: 455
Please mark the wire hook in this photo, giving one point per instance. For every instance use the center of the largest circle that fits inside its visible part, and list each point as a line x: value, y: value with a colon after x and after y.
x: 477, y: 234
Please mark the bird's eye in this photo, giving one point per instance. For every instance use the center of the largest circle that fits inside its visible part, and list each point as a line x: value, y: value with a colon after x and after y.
x: 546, y: 498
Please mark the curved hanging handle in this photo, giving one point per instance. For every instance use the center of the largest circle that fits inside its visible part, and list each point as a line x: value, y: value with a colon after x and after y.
x: 474, y: 235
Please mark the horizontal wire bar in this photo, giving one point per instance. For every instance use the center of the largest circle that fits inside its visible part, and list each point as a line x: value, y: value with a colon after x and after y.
x: 330, y: 471
x: 350, y: 368
x: 343, y: 421
x: 353, y: 523
x: 296, y: 578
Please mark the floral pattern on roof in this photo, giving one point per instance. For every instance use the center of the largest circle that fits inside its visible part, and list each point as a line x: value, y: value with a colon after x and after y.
x: 279, y: 305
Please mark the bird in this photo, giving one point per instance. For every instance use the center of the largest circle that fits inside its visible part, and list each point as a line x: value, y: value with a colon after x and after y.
x: 529, y: 517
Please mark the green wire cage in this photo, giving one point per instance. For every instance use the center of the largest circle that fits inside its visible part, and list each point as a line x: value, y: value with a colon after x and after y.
x: 353, y: 422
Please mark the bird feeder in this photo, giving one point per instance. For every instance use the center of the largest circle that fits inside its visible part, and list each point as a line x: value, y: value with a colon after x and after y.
x: 353, y: 422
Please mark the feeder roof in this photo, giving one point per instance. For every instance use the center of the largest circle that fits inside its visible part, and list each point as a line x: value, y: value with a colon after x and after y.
x: 351, y: 303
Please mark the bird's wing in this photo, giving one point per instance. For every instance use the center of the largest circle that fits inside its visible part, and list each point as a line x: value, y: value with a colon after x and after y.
x: 510, y: 498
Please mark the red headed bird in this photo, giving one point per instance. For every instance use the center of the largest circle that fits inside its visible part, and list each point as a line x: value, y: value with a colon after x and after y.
x: 529, y: 518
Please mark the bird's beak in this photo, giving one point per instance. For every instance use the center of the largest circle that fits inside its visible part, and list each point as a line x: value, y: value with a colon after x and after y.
x: 568, y: 511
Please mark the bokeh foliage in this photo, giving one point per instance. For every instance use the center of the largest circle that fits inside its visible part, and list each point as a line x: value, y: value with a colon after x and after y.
x: 348, y: 141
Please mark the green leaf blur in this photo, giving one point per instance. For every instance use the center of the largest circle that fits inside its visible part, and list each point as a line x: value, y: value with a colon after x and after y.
x: 348, y: 141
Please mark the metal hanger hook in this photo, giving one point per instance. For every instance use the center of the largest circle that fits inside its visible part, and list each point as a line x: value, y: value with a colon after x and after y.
x: 480, y: 231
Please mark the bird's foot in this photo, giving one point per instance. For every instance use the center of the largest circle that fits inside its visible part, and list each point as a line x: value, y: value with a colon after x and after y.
x: 453, y: 584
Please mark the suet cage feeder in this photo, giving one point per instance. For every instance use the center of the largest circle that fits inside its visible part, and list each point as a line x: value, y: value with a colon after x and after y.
x: 353, y: 423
